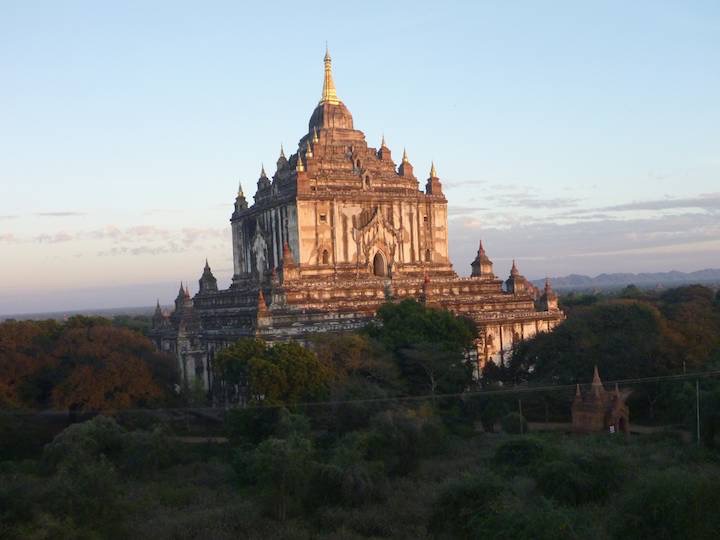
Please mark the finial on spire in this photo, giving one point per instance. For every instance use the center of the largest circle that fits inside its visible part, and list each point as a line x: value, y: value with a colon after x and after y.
x: 308, y: 150
x: 315, y: 135
x: 405, y: 158
x: 514, y: 270
x: 282, y: 151
x: 240, y: 190
x: 596, y: 377
x: 329, y: 95
x: 262, y: 171
x: 382, y: 142
x: 299, y: 165
x: 207, y: 266
x: 433, y: 172
x: 481, y: 249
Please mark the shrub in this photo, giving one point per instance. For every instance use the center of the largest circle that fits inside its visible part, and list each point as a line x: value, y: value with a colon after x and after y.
x: 563, y: 481
x: 675, y: 503
x: 461, y: 501
x: 521, y: 452
x: 401, y: 437
x: 101, y: 436
x: 514, y: 423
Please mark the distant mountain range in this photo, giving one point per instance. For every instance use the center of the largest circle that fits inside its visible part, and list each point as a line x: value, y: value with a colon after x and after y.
x: 651, y: 279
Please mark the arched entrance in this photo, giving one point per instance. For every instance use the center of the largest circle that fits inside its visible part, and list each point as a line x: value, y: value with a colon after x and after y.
x: 379, y: 266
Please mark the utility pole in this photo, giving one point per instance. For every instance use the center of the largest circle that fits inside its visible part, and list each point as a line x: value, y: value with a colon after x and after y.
x: 697, y: 408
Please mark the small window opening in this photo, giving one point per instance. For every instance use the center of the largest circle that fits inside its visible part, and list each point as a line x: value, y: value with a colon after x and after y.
x: 325, y: 257
x: 323, y: 218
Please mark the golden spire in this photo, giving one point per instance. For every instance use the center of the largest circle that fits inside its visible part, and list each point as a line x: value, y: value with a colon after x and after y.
x: 282, y: 151
x: 433, y: 172
x: 299, y: 165
x: 315, y: 135
x: 328, y: 92
x: 382, y: 143
x: 405, y: 158
x: 240, y: 191
x: 308, y: 151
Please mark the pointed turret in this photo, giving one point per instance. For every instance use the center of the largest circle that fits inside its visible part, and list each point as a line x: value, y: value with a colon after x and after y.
x: 384, y: 152
x: 308, y: 150
x: 263, y: 181
x: 329, y: 95
x: 299, y: 167
x: 548, y: 300
x: 287, y: 256
x: 316, y: 138
x: 433, y: 185
x: 330, y: 112
x: 596, y: 387
x: 240, y: 201
x: 207, y: 282
x: 405, y: 168
x: 482, y: 266
x: 516, y: 283
x: 262, y: 306
x: 288, y: 267
x: 282, y: 160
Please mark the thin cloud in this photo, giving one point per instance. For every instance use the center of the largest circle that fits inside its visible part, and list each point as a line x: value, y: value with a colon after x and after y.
x: 8, y: 238
x: 705, y: 201
x: 2, y: 218
x: 60, y: 214
x: 54, y: 238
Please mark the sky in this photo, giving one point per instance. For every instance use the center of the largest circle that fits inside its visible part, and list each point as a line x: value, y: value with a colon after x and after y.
x: 574, y: 137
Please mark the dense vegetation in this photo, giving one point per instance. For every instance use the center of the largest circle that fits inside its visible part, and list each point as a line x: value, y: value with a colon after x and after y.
x: 86, y: 363
x: 356, y: 437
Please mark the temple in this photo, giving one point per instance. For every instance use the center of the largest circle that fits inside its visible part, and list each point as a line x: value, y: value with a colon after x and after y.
x: 600, y: 410
x: 337, y: 231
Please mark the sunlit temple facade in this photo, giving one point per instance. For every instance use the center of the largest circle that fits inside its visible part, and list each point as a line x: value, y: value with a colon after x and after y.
x: 338, y: 230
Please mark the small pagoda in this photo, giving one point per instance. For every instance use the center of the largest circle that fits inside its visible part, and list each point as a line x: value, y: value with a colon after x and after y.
x: 600, y: 410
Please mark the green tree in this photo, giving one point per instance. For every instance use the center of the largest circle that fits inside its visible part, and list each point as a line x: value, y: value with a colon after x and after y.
x: 429, y: 345
x: 281, y: 469
x: 284, y: 373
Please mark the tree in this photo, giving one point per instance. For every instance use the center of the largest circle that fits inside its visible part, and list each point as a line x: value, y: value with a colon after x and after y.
x: 284, y: 373
x: 408, y: 323
x: 429, y: 345
x: 624, y: 338
x: 281, y: 468
x: 108, y: 368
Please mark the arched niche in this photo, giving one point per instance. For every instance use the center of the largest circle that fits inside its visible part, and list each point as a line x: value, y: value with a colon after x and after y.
x: 379, y: 265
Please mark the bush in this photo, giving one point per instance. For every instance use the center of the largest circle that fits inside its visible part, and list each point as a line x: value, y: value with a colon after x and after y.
x: 676, y: 503
x: 563, y: 481
x: 251, y: 426
x: 83, y: 442
x: 400, y: 438
x: 461, y: 501
x: 514, y: 423
x: 132, y: 452
x: 522, y: 452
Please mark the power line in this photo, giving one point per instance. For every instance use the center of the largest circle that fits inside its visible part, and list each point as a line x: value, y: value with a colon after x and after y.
x: 472, y: 393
